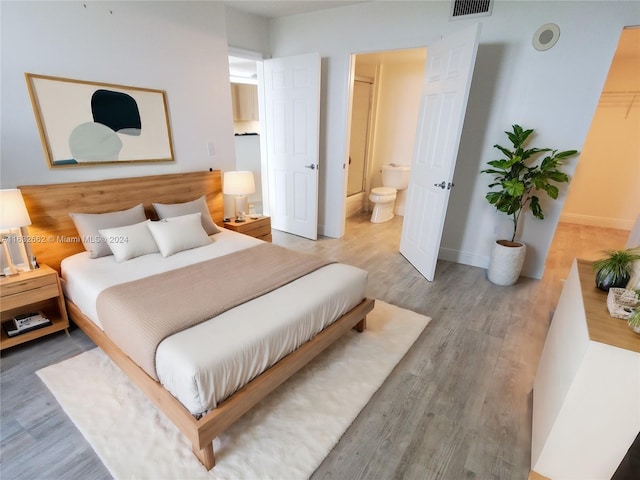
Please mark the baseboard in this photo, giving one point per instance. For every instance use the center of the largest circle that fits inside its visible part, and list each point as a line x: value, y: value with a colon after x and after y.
x: 619, y: 223
x: 481, y: 261
x: 457, y: 256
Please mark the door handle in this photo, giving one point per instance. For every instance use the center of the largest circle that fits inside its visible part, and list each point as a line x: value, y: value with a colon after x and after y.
x: 312, y: 166
x: 450, y: 186
x: 441, y: 184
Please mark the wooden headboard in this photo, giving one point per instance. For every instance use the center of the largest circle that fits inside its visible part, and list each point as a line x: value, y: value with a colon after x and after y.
x: 52, y: 234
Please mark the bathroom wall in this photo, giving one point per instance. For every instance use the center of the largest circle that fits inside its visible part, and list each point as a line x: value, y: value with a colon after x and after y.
x: 399, y: 87
x: 398, y: 75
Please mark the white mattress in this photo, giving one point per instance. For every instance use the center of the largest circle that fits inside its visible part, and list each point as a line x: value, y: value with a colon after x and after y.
x: 204, y: 364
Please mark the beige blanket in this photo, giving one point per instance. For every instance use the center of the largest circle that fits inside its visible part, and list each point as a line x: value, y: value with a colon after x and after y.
x: 138, y: 315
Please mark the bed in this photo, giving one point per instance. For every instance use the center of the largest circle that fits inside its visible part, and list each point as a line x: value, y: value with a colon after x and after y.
x: 208, y: 375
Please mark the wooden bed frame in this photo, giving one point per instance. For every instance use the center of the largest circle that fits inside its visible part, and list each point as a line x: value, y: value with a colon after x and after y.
x: 54, y: 237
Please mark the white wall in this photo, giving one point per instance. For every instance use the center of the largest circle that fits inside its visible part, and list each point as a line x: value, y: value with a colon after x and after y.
x: 179, y: 47
x: 247, y: 32
x: 555, y: 92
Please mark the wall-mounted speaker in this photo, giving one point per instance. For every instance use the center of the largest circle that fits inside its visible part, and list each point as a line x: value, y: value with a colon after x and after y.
x: 546, y: 36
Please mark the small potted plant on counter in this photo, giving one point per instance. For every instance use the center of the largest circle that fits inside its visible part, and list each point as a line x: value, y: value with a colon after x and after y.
x: 518, y: 178
x: 614, y: 270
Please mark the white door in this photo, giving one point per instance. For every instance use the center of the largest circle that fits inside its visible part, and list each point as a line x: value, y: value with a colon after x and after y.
x: 292, y: 120
x: 443, y: 104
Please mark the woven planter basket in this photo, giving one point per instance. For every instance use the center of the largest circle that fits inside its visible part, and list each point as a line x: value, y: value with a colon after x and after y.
x: 621, y: 302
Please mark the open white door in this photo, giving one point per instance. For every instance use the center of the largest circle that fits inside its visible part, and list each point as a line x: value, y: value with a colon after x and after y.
x: 291, y: 89
x: 443, y: 105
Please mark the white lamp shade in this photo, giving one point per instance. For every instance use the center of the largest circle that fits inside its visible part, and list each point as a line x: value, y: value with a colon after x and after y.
x: 238, y: 183
x: 13, y: 212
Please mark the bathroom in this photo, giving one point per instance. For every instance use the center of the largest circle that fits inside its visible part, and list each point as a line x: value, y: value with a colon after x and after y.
x: 385, y: 108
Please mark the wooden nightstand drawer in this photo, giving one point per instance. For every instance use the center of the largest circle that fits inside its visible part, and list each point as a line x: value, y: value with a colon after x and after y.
x: 257, y: 230
x: 30, y: 296
x: 27, y: 284
x: 254, y: 227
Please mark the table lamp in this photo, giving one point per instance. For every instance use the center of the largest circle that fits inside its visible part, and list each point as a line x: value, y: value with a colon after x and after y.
x: 240, y: 184
x: 13, y: 215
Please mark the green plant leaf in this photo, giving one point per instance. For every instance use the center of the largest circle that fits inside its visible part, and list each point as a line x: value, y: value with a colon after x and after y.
x: 519, y: 136
x: 503, y: 206
x: 634, y: 317
x: 513, y: 187
x: 535, y: 208
x: 493, y: 197
x: 551, y: 190
x: 508, y: 153
x: 566, y: 154
x: 526, y: 154
x: 559, y: 176
x: 539, y: 183
x: 548, y: 163
x: 501, y: 164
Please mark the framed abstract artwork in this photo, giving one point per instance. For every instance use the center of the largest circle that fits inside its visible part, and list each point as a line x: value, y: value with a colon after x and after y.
x: 90, y: 123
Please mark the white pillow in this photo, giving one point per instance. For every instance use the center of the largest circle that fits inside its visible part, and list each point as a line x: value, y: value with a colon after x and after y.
x: 131, y: 241
x: 199, y: 205
x: 179, y: 233
x: 88, y: 225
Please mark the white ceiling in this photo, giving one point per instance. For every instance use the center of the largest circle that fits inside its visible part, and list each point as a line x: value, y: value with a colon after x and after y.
x: 282, y: 8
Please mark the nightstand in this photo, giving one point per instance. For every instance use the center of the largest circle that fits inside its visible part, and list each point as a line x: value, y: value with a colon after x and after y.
x: 33, y: 291
x: 258, y: 227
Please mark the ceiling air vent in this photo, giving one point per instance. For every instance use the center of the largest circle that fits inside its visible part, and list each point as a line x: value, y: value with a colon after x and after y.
x: 470, y: 8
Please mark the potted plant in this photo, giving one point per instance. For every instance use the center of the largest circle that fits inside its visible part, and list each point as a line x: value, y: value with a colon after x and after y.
x: 518, y: 178
x: 614, y: 270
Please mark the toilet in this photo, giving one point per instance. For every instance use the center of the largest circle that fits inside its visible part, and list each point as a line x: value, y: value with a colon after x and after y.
x: 395, y: 179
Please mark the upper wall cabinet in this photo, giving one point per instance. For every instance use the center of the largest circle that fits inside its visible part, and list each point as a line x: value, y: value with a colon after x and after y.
x: 245, y: 102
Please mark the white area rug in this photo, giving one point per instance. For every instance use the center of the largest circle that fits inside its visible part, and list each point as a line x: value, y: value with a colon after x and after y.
x: 285, y: 437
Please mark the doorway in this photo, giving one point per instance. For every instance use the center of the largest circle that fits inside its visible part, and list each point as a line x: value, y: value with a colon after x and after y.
x: 384, y: 115
x: 243, y: 76
x: 610, y: 159
x: 609, y: 165
x: 284, y: 108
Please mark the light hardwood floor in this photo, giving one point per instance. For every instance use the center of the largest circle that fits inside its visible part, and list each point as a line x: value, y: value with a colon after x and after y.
x: 457, y: 406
